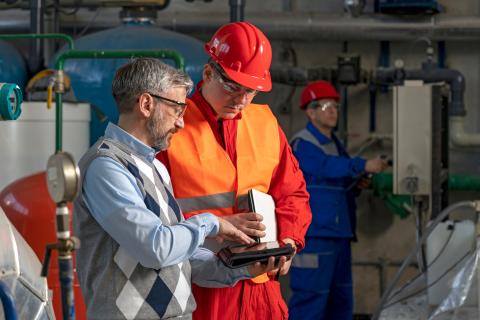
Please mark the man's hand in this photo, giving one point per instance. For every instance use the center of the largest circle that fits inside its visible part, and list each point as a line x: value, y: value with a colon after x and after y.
x: 248, y: 222
x: 286, y: 266
x: 227, y: 231
x: 258, y: 268
x: 375, y: 165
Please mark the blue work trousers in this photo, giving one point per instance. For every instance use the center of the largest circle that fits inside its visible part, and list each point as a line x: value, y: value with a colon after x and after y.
x: 321, y: 281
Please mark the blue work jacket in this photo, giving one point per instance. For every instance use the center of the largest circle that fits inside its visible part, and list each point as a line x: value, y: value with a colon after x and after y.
x: 331, y: 176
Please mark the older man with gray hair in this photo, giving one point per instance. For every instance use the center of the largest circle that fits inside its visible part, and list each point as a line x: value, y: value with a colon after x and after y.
x: 138, y: 254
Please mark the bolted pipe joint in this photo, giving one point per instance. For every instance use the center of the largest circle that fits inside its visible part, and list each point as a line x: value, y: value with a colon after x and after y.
x: 454, y: 78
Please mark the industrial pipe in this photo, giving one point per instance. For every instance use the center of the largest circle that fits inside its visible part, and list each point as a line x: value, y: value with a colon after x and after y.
x: 452, y: 208
x: 61, y: 36
x: 35, y: 60
x: 292, y: 26
x: 237, y: 10
x: 383, y: 183
x: 429, y: 73
x: 101, y: 54
x: 459, y: 137
x: 88, y: 4
x: 455, y: 79
x: 300, y: 76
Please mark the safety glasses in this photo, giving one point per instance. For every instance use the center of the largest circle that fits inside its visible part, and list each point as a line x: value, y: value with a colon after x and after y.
x: 229, y: 86
x: 324, y: 105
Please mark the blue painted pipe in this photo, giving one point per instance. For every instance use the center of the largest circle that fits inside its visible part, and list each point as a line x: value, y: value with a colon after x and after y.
x: 65, y: 267
x: 442, y: 52
x: 373, y: 108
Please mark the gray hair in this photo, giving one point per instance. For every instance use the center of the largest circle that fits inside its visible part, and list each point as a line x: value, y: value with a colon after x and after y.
x: 145, y: 75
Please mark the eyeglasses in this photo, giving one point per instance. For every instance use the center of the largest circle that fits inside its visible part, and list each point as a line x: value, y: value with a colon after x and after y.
x: 229, y: 86
x: 179, y: 107
x: 324, y: 105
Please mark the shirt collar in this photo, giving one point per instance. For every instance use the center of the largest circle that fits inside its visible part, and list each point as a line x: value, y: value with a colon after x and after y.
x: 323, y: 139
x: 118, y: 134
x: 205, y: 107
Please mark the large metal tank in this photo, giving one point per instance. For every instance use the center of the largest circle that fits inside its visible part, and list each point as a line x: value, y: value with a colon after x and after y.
x: 92, y: 79
x: 12, y: 65
x: 29, y: 141
x: 26, y: 145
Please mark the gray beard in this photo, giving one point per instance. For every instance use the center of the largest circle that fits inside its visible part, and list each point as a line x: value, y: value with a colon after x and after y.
x: 159, y: 138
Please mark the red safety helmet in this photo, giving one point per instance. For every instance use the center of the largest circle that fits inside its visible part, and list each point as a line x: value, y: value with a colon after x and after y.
x: 244, y: 53
x: 317, y: 90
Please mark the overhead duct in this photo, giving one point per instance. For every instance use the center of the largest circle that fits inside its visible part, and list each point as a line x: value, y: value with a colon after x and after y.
x: 90, y: 4
x: 311, y: 27
x: 288, y: 25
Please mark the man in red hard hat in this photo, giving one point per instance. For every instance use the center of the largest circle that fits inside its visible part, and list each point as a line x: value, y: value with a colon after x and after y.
x: 229, y: 146
x: 321, y: 275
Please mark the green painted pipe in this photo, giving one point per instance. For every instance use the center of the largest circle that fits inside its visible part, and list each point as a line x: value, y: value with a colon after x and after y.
x: 382, y: 185
x: 461, y: 182
x: 119, y: 54
x: 61, y: 36
x: 383, y: 182
x: 100, y: 54
x: 396, y: 204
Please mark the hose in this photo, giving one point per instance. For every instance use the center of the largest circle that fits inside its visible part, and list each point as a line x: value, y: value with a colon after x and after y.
x: 468, y: 204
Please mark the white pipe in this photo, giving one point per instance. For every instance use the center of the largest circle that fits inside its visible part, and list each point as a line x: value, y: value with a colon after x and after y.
x: 459, y: 137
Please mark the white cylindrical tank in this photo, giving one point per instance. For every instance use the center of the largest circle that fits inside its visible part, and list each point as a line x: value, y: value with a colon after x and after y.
x: 27, y: 143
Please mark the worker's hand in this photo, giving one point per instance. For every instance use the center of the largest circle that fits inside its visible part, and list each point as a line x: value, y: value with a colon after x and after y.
x: 258, y: 268
x: 248, y: 222
x: 286, y: 266
x: 364, y: 182
x: 227, y: 231
x: 375, y: 165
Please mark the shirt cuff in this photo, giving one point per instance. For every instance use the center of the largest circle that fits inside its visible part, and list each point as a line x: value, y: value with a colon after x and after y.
x: 299, y: 242
x: 359, y: 165
x: 212, y: 224
x: 243, y: 273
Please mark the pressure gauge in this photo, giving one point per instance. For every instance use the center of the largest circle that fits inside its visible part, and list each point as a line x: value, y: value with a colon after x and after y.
x: 11, y: 99
x: 63, y: 177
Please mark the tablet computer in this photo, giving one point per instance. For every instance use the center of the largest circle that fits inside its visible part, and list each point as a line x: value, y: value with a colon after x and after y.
x: 241, y: 255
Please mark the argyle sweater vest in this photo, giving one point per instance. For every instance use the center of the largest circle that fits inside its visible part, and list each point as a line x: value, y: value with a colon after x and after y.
x: 114, y: 285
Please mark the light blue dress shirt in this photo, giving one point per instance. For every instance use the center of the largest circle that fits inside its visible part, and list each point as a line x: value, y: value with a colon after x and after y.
x: 116, y: 202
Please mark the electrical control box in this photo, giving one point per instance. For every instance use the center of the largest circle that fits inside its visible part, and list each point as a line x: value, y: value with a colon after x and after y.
x: 348, y: 69
x: 413, y: 104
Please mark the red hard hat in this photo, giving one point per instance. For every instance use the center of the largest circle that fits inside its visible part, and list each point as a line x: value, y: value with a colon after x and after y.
x: 317, y: 90
x: 244, y: 53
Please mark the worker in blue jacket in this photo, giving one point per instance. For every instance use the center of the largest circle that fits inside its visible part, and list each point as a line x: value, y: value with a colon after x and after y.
x: 321, y: 275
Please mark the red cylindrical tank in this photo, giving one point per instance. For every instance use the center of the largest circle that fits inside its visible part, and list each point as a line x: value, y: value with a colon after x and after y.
x: 30, y: 209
